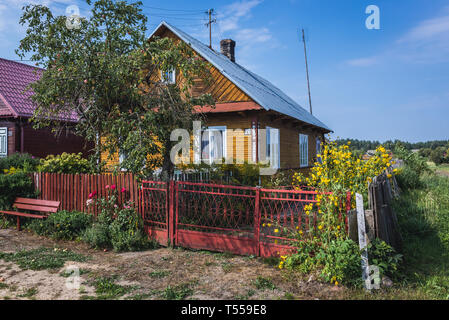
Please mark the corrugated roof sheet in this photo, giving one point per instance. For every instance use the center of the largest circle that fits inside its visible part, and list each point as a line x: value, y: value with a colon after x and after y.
x: 259, y: 89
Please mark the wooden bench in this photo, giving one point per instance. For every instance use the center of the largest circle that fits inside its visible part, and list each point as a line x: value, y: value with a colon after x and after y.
x: 43, y: 208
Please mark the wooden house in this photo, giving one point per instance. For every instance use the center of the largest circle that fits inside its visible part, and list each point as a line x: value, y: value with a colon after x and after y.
x: 252, y: 120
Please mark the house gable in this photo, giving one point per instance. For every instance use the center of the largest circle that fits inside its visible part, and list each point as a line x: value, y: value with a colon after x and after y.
x: 253, y: 86
x: 219, y: 87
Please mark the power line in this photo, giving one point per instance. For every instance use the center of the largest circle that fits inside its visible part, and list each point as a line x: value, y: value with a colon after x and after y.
x: 175, y: 10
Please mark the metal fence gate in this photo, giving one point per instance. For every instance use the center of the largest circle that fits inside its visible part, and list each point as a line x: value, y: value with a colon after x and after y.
x: 240, y: 220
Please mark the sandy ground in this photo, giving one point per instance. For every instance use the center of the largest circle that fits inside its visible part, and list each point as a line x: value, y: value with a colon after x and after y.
x: 210, y: 275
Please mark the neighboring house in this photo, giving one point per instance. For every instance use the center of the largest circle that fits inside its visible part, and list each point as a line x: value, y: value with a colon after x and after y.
x: 16, y: 108
x: 248, y: 102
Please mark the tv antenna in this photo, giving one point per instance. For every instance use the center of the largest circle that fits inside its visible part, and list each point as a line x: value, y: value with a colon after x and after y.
x: 307, y: 70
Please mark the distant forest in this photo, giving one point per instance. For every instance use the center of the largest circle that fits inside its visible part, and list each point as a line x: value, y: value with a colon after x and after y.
x: 365, y: 145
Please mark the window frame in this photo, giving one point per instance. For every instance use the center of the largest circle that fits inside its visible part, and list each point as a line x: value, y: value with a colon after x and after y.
x: 172, y: 79
x: 303, y: 150
x: 269, y: 155
x: 210, y: 130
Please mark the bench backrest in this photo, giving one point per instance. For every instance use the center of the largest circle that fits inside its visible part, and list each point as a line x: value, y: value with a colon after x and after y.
x: 46, y: 206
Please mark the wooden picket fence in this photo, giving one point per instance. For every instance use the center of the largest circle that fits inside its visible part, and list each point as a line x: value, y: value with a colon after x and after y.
x: 73, y: 190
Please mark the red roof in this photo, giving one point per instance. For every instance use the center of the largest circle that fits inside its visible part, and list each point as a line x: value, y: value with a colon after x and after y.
x: 14, y: 96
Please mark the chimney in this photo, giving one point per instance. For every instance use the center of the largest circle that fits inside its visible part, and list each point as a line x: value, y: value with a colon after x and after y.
x: 227, y: 47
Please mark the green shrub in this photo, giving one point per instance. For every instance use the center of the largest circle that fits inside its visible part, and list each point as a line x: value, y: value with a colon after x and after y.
x: 408, y: 178
x: 15, y: 185
x: 63, y: 225
x: 66, y: 163
x: 98, y: 235
x: 384, y: 257
x: 342, y: 262
x: 127, y: 231
x: 117, y: 226
x: 21, y: 161
x: 339, y: 261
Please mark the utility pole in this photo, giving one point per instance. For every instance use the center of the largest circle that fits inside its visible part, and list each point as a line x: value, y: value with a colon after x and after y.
x: 307, y: 70
x: 209, y: 24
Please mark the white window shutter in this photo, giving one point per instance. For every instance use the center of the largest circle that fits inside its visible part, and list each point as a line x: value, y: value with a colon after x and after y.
x: 274, y: 147
x: 303, y: 150
x: 3, y: 142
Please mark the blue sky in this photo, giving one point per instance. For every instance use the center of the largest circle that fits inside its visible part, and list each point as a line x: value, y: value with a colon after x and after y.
x: 391, y: 83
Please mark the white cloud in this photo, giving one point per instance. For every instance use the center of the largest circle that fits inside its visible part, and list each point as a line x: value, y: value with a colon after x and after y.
x: 253, y: 35
x: 230, y: 16
x: 427, y: 42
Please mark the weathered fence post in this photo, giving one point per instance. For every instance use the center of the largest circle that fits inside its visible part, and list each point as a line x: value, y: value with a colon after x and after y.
x: 362, y: 237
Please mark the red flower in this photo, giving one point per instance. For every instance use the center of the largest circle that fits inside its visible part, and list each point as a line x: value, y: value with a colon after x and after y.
x: 107, y: 187
x: 113, y: 187
x: 123, y: 190
x: 90, y: 195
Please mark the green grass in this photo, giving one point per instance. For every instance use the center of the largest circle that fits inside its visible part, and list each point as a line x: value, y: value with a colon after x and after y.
x: 262, y: 283
x: 3, y: 285
x: 159, y: 274
x: 107, y: 289
x: 31, y: 292
x: 423, y: 216
x: 42, y: 258
x: 249, y: 293
x: 179, y: 292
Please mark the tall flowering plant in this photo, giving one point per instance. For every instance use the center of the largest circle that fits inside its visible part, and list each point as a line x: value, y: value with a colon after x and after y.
x: 337, y: 174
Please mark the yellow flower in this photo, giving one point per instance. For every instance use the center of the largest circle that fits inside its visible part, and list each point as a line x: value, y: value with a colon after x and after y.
x: 276, y: 230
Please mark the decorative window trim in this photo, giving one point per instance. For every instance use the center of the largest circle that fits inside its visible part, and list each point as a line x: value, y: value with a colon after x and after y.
x: 210, y: 130
x: 273, y: 152
x: 3, y: 142
x: 303, y: 150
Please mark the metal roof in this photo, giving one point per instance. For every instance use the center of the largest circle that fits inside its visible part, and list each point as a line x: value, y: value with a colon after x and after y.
x: 259, y: 89
x: 15, y: 94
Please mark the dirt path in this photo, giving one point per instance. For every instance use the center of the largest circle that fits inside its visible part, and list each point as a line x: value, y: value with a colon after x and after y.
x: 154, y: 274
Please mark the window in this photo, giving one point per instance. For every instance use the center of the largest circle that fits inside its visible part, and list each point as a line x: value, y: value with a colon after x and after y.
x: 169, y: 77
x: 213, y: 144
x: 121, y: 158
x: 273, y: 150
x: 303, y: 150
x: 318, y: 150
x: 3, y: 142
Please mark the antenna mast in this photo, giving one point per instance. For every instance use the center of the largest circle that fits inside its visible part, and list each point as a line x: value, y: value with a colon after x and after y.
x: 307, y: 70
x: 209, y: 24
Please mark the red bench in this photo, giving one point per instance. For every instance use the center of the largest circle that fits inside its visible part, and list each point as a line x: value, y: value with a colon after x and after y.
x: 43, y: 208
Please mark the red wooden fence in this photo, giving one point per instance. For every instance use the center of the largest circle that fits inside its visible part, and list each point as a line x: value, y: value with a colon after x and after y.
x: 241, y: 220
x: 73, y: 189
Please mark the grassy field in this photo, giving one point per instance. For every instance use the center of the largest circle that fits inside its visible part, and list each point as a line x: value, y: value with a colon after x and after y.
x: 444, y: 168
x: 424, y: 220
x: 423, y: 216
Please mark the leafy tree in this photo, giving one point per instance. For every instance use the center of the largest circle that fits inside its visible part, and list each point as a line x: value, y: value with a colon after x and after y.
x: 437, y: 156
x: 146, y: 129
x: 107, y: 74
x: 89, y: 71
